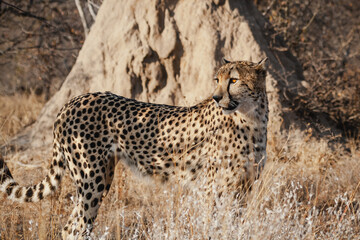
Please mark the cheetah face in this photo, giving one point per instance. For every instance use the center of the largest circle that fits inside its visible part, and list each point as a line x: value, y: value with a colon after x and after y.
x: 239, y: 86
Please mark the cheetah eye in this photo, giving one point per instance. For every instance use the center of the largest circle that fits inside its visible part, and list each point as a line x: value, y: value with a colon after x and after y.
x: 216, y: 80
x: 233, y: 80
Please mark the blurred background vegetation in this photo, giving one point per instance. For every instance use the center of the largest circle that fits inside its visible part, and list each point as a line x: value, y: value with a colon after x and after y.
x: 40, y: 40
x: 324, y: 35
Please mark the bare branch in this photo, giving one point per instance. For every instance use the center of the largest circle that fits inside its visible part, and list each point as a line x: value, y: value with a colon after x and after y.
x: 26, y: 14
x: 91, y: 9
x: 82, y: 17
x: 22, y: 12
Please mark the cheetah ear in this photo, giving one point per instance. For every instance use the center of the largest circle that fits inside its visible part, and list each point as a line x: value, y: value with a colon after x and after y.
x: 260, y: 67
x: 261, y: 63
x: 224, y: 61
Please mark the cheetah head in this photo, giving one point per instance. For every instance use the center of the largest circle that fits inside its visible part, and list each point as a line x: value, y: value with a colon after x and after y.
x: 239, y: 85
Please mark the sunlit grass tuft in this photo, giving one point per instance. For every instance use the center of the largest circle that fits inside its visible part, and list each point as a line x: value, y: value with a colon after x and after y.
x: 16, y: 112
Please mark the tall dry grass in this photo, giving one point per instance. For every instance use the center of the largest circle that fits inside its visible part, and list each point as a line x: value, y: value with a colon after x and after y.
x: 16, y: 112
x: 306, y: 191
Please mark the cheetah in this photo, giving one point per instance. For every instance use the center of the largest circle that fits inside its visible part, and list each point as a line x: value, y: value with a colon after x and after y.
x: 95, y: 131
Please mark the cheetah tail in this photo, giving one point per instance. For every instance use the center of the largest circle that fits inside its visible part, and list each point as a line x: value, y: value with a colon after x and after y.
x: 36, y: 192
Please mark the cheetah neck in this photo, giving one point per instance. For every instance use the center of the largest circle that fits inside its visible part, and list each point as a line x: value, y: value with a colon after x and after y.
x: 250, y: 113
x: 255, y: 111
x: 254, y: 116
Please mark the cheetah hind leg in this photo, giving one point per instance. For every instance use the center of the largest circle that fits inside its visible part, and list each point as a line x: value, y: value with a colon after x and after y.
x: 80, y: 222
x: 72, y: 229
x: 110, y: 171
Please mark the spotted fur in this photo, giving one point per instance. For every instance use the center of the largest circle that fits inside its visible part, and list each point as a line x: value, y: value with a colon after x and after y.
x: 94, y: 131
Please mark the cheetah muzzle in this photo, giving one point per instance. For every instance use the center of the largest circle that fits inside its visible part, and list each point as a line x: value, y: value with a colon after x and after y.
x: 95, y: 131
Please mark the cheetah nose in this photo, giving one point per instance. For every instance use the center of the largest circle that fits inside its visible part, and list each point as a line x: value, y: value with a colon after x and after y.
x: 217, y: 98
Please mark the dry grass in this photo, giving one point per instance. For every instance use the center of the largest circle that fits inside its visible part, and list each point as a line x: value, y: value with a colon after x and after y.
x: 17, y: 112
x: 307, y: 191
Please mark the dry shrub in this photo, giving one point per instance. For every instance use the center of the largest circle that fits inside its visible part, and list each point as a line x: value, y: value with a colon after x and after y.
x: 324, y: 35
x: 39, y: 44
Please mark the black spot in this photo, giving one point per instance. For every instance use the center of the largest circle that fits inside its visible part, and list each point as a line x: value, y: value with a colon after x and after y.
x: 88, y: 196
x: 98, y: 179
x: 94, y: 202
x: 57, y: 177
x: 100, y: 188
x: 29, y: 193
